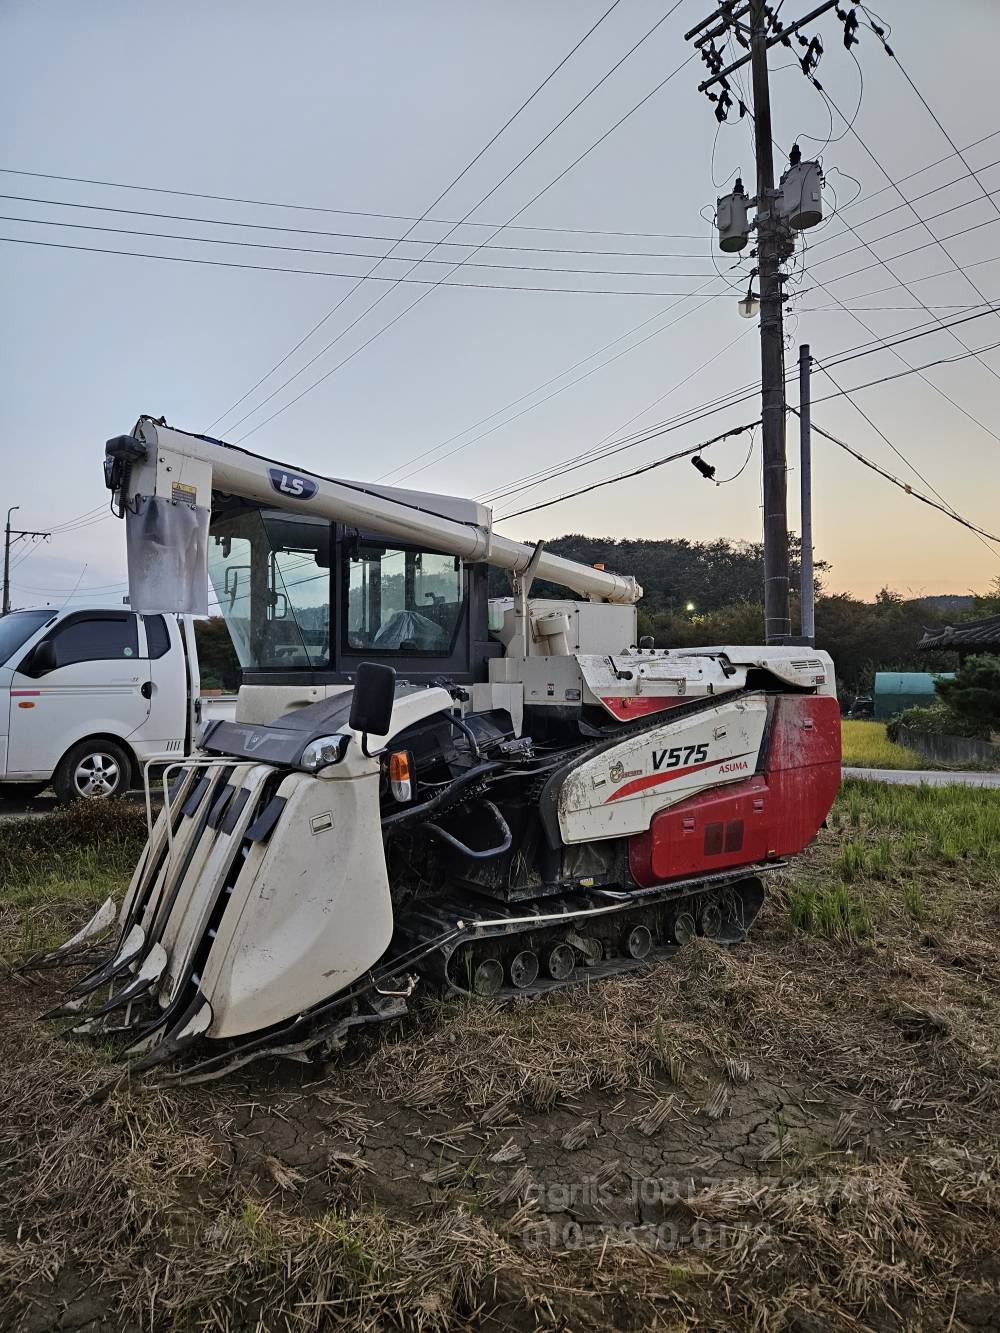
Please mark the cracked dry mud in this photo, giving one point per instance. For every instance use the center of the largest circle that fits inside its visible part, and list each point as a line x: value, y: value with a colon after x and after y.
x: 797, y: 1134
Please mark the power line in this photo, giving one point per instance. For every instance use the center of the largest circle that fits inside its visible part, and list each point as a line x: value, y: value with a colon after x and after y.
x: 598, y: 449
x: 399, y: 240
x: 734, y: 399
x: 890, y: 235
x: 880, y: 33
x: 562, y: 389
x: 326, y: 273
x: 313, y: 250
x: 444, y: 222
x: 884, y: 189
x: 362, y: 236
x: 896, y: 208
x: 903, y: 485
x: 594, y: 453
x: 401, y: 467
x: 882, y: 435
x: 514, y: 216
x: 904, y: 254
x: 908, y: 287
x: 360, y: 213
x: 481, y: 200
x: 935, y: 239
x: 625, y: 476
x: 537, y: 389
x: 899, y: 357
x: 739, y: 430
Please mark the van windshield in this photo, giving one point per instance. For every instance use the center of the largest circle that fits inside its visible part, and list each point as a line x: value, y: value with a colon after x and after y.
x: 17, y: 627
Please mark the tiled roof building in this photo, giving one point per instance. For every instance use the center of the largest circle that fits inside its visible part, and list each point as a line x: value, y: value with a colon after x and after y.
x: 975, y: 636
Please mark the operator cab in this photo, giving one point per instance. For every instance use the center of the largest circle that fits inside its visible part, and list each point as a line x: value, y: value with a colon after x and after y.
x: 307, y: 601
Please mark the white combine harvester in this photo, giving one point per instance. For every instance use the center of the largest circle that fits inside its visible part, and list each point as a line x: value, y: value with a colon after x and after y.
x: 424, y: 787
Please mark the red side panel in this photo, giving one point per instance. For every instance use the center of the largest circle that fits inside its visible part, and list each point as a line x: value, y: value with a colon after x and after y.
x: 803, y: 767
x: 771, y: 815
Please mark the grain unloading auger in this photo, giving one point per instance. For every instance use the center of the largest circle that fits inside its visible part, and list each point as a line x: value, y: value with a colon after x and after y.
x: 424, y: 786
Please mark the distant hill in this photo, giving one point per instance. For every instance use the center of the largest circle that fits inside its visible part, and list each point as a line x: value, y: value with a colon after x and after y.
x: 950, y: 603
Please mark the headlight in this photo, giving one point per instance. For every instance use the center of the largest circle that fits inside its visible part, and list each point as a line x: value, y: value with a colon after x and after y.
x: 323, y: 752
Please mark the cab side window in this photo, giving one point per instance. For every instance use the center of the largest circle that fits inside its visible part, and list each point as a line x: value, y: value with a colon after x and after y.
x: 157, y: 636
x: 96, y: 639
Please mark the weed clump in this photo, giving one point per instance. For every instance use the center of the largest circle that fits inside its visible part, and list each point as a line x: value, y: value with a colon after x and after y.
x: 832, y: 913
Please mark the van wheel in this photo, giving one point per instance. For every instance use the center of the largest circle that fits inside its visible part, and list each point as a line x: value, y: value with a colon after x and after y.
x: 92, y: 770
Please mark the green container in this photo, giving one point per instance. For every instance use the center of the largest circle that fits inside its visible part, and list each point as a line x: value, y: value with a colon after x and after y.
x: 897, y: 690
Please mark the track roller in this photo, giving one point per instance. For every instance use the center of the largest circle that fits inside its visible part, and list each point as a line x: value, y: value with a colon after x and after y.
x: 590, y: 948
x: 523, y: 969
x: 488, y: 977
x: 637, y: 942
x: 685, y: 928
x: 710, y: 919
x: 560, y: 962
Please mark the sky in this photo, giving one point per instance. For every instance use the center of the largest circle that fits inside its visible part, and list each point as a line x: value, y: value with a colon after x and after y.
x: 360, y: 116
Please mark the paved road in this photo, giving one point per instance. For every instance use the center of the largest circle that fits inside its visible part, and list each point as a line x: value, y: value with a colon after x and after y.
x: 913, y: 777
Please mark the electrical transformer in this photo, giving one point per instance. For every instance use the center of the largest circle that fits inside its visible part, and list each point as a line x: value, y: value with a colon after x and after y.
x: 800, y: 201
x: 731, y: 220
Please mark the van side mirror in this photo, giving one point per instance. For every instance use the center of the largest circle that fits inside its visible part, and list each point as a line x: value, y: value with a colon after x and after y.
x: 371, y: 706
x: 43, y: 659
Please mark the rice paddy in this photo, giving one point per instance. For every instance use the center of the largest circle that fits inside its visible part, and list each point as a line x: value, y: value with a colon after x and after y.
x: 797, y: 1134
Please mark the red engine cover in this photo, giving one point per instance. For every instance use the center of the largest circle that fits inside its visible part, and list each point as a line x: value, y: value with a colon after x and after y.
x: 771, y: 815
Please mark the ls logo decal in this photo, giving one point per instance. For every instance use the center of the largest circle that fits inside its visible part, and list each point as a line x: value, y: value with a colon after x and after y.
x: 291, y: 485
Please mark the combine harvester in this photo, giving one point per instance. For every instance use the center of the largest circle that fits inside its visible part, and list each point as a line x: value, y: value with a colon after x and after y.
x: 425, y: 787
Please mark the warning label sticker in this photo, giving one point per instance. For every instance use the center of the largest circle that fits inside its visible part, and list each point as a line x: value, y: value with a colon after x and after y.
x: 180, y: 490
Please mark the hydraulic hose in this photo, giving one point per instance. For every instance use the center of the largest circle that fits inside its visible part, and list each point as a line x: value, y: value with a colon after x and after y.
x: 504, y: 845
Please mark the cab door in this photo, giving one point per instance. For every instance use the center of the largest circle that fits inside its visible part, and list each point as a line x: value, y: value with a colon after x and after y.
x: 92, y: 681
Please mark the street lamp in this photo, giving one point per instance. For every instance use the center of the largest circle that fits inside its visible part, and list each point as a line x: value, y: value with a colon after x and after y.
x: 749, y: 305
x: 689, y: 607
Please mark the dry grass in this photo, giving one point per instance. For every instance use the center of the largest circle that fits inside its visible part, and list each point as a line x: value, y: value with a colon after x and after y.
x: 801, y: 1134
x: 865, y: 745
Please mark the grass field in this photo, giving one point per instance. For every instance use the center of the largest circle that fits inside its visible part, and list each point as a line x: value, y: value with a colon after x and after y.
x: 802, y: 1133
x: 865, y: 745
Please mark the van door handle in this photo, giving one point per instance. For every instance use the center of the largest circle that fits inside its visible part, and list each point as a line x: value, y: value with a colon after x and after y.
x: 146, y: 689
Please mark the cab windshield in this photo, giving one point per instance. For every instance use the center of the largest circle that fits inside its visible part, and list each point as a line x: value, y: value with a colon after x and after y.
x: 275, y: 576
x: 270, y: 574
x: 17, y: 627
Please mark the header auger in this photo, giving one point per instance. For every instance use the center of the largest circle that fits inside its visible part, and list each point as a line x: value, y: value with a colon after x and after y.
x: 424, y: 787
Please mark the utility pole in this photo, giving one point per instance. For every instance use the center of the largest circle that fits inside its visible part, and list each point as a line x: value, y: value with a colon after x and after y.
x: 795, y: 206
x: 12, y: 536
x: 807, y: 587
x: 777, y: 623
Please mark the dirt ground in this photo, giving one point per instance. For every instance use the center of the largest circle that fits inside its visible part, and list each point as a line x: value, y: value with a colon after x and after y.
x: 802, y: 1133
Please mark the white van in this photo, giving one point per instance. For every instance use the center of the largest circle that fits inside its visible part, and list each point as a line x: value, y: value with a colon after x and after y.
x: 88, y: 696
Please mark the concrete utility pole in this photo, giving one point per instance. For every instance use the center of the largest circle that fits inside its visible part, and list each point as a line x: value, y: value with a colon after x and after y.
x: 807, y: 587
x: 6, y: 561
x: 755, y: 26
x: 16, y: 534
x: 777, y: 622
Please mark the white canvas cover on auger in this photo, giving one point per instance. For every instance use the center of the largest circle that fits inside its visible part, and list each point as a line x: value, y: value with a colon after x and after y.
x: 421, y: 788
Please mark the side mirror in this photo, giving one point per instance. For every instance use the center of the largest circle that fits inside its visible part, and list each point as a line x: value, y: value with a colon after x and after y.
x: 43, y: 659
x: 371, y: 706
